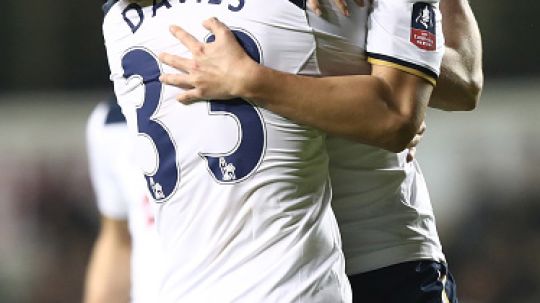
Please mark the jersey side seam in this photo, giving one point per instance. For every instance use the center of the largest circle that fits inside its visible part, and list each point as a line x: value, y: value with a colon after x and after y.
x: 314, y: 53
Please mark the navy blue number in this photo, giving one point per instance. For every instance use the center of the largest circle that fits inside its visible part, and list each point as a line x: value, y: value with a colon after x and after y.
x: 244, y: 159
x: 164, y: 180
x: 230, y: 167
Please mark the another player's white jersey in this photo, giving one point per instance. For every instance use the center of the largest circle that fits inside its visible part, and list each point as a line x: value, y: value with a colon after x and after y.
x: 383, y: 207
x: 244, y: 193
x: 404, y: 34
x: 381, y: 202
x: 120, y: 195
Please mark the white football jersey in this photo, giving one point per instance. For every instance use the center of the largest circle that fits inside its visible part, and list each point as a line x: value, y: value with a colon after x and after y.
x: 244, y: 194
x: 121, y: 195
x: 381, y: 202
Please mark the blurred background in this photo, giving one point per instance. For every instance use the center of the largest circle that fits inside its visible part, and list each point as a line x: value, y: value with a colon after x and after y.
x: 482, y: 167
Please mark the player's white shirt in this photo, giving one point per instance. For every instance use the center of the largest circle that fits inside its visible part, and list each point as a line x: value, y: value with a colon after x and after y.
x: 244, y: 193
x: 381, y: 202
x: 120, y: 195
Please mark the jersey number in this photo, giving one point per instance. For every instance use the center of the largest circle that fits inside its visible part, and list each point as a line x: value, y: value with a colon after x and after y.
x: 226, y: 168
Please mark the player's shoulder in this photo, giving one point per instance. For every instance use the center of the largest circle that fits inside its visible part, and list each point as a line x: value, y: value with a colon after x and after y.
x: 104, y: 114
x: 407, y: 35
x: 107, y: 112
x: 107, y: 5
x: 97, y: 117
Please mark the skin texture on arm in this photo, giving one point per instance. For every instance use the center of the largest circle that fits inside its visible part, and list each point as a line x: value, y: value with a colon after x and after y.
x: 108, y: 273
x: 461, y: 80
x: 386, y: 112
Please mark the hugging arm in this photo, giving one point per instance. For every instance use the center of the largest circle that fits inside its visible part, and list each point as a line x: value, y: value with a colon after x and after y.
x: 461, y: 80
x: 386, y: 112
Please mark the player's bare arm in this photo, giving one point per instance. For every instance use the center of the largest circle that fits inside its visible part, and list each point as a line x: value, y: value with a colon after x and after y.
x: 108, y: 273
x: 386, y: 112
x: 461, y: 80
x: 460, y: 83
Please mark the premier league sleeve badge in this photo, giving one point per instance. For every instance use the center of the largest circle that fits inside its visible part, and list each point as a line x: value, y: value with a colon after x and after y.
x: 423, y: 26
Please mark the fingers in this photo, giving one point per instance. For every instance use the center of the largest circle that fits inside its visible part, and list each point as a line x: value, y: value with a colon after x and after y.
x: 190, y: 96
x: 183, y: 64
x: 343, y: 7
x: 415, y: 141
x: 417, y: 137
x: 215, y: 26
x: 190, y: 42
x: 422, y: 129
x: 359, y: 2
x: 363, y: 2
x: 178, y: 80
x: 341, y: 4
x: 314, y: 6
x: 411, y: 154
x: 190, y: 93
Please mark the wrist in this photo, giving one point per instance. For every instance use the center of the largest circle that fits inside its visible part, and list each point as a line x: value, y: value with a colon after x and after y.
x: 246, y: 84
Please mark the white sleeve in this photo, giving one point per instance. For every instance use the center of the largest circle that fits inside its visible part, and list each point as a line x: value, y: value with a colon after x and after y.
x: 407, y: 35
x: 110, y: 200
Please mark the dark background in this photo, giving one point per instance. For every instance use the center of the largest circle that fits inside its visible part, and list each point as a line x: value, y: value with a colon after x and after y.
x: 482, y: 168
x: 58, y: 45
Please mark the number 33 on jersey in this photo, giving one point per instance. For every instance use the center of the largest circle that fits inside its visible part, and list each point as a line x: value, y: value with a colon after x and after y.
x: 226, y: 167
x: 245, y: 195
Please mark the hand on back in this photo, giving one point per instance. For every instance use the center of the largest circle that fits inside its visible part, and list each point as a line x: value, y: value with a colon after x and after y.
x: 202, y: 75
x: 341, y: 4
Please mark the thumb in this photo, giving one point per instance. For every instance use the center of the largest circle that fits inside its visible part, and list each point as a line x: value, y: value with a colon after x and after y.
x: 411, y: 153
x: 314, y: 6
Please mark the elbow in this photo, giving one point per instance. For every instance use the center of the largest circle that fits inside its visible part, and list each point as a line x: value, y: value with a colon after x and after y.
x: 474, y: 90
x: 401, y: 134
x: 403, y: 137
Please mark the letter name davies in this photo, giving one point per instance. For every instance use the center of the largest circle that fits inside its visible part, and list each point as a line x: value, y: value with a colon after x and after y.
x: 134, y: 14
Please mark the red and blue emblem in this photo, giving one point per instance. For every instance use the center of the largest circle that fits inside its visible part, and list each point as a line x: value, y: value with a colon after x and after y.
x: 423, y: 32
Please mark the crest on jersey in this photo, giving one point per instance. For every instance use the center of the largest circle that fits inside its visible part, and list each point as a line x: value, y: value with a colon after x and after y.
x: 157, y: 189
x: 423, y: 32
x: 227, y: 170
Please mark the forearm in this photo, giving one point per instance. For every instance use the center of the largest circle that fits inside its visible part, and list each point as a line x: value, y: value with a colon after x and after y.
x: 108, y: 273
x: 461, y: 80
x: 384, y: 109
x: 361, y: 108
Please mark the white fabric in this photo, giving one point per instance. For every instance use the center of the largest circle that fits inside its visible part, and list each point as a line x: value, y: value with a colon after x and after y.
x: 270, y: 237
x: 381, y: 202
x: 104, y: 169
x: 383, y: 207
x: 121, y: 195
x: 389, y: 33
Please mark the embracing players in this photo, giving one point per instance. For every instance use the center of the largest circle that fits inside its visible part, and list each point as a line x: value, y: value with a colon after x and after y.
x: 380, y: 199
x: 244, y: 194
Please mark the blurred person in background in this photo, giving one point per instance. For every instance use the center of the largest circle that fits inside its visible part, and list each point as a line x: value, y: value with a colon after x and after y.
x: 124, y: 263
x: 381, y: 200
